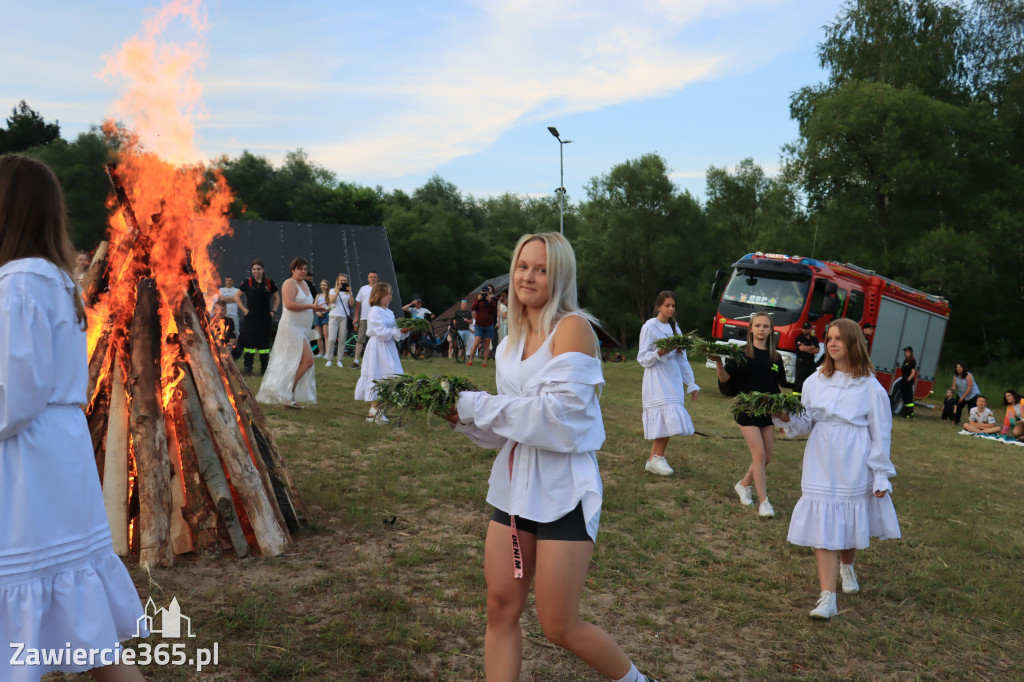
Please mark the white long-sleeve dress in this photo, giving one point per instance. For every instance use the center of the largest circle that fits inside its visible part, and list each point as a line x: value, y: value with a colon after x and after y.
x: 380, y: 357
x: 846, y: 459
x: 292, y: 338
x: 668, y: 379
x: 547, y: 407
x: 60, y: 580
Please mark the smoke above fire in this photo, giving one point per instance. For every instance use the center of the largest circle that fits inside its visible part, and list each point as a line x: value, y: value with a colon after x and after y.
x: 161, y: 94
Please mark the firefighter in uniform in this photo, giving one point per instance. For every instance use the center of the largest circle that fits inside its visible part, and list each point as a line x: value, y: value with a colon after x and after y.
x: 909, y: 370
x: 261, y: 300
x: 806, y: 349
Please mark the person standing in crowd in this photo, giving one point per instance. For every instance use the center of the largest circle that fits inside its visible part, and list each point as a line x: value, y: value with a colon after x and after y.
x: 224, y: 328
x: 967, y: 390
x: 460, y: 325
x: 762, y: 372
x: 845, y: 483
x: 417, y: 312
x: 82, y: 263
x: 907, y: 381
x: 320, y: 321
x: 1013, y: 421
x: 502, y: 316
x: 229, y: 295
x: 668, y: 377
x: 545, y: 486
x: 806, y: 349
x: 869, y: 333
x: 61, y: 584
x: 362, y: 308
x: 980, y: 419
x: 260, y: 306
x: 485, y: 315
x: 381, y: 359
x: 340, y: 301
x: 949, y: 407
x: 290, y: 379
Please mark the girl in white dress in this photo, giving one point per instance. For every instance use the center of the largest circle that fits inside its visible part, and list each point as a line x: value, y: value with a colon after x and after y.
x: 668, y: 377
x: 380, y: 357
x: 545, y: 486
x: 61, y: 585
x: 290, y: 378
x: 846, y: 467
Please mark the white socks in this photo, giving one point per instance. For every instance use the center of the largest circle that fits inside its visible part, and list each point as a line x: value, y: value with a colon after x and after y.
x: 633, y: 675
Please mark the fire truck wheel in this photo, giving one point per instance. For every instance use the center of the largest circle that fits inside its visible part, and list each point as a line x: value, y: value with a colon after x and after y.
x: 896, y: 397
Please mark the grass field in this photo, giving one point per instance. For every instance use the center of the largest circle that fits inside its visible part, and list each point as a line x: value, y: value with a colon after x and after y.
x: 691, y: 583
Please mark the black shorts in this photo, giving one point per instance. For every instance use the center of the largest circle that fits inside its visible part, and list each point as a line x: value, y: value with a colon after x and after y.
x: 744, y: 419
x: 572, y: 526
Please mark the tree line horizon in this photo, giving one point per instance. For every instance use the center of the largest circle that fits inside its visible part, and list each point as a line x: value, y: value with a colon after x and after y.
x: 909, y: 161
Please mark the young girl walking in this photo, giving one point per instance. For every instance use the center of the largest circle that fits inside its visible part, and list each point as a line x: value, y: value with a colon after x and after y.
x: 61, y: 585
x: 762, y: 372
x: 545, y: 486
x: 668, y: 377
x: 846, y: 469
x: 380, y: 357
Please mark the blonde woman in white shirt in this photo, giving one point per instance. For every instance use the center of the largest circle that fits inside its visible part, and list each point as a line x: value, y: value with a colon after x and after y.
x: 545, y: 486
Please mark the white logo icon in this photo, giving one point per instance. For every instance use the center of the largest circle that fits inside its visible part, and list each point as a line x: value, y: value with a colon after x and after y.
x: 170, y: 621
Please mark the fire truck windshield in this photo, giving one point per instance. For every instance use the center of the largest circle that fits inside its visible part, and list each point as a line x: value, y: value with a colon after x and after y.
x: 783, y: 294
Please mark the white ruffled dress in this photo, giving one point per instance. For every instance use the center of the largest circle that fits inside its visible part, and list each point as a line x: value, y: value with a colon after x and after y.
x: 380, y: 357
x: 292, y: 338
x: 849, y: 423
x: 668, y: 379
x: 60, y: 581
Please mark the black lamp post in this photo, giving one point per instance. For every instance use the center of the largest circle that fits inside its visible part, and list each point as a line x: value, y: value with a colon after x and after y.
x: 561, y: 189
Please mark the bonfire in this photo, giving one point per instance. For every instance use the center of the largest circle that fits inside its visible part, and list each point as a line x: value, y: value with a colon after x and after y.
x: 183, y: 450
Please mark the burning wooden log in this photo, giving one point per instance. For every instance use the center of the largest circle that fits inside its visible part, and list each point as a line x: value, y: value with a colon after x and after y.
x: 115, y: 471
x: 208, y: 464
x: 150, y: 439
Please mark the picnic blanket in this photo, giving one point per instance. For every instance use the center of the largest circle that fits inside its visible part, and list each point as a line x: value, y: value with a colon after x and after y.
x: 1010, y: 440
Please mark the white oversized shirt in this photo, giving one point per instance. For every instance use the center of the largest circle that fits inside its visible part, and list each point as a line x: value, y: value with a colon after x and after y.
x: 554, y: 421
x: 363, y: 299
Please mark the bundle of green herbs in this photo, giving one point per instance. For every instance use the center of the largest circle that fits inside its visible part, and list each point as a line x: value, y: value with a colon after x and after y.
x: 413, y: 324
x: 693, y: 344
x: 436, y: 394
x: 758, y: 404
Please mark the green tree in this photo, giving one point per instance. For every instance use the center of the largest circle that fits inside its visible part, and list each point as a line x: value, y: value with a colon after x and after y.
x: 79, y: 167
x: 26, y: 129
x: 639, y: 236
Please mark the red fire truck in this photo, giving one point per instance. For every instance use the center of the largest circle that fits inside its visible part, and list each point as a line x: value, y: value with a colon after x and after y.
x: 794, y: 290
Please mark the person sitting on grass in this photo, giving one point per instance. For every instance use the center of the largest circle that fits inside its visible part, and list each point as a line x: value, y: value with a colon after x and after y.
x: 1013, y: 422
x: 981, y: 418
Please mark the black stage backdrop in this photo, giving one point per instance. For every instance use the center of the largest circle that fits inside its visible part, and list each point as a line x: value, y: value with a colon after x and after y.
x: 330, y: 250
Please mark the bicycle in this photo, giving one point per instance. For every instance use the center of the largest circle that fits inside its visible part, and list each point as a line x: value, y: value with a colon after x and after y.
x: 431, y: 343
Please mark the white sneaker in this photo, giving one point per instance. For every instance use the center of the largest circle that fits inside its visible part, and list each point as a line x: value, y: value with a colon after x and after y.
x: 329, y: 363
x: 659, y: 466
x: 849, y: 578
x: 376, y: 416
x: 765, y: 511
x: 745, y: 493
x: 826, y: 606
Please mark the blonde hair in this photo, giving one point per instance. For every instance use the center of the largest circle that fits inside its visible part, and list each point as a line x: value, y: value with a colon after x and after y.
x: 857, y: 358
x: 749, y: 350
x: 561, y: 267
x: 379, y: 291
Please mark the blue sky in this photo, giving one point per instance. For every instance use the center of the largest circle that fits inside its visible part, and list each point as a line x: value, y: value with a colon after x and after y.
x: 389, y: 93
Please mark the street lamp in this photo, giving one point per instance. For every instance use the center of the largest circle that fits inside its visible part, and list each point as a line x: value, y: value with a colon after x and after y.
x: 561, y: 190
